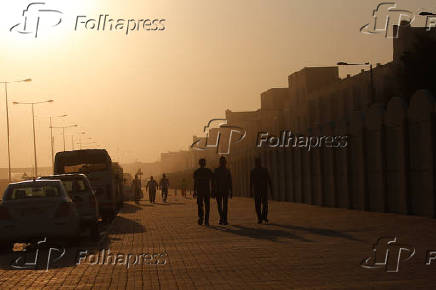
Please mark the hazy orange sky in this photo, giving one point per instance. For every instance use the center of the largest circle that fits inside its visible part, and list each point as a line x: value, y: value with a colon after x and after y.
x: 149, y: 92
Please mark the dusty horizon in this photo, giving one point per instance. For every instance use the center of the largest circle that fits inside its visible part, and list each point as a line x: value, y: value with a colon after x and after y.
x: 149, y: 92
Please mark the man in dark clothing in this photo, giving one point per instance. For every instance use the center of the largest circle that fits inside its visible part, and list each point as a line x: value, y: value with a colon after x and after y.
x: 151, y: 187
x: 203, y: 178
x: 183, y: 187
x: 164, y: 184
x: 259, y: 183
x: 137, y: 188
x: 222, y: 188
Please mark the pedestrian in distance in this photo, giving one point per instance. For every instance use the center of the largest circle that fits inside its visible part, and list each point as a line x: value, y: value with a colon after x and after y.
x: 260, y: 181
x: 222, y: 189
x: 151, y: 187
x: 138, y: 188
x: 133, y: 187
x: 164, y: 184
x: 183, y: 187
x: 203, y: 178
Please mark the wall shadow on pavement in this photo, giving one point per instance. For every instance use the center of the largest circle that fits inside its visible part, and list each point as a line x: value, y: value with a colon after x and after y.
x: 272, y: 235
x: 122, y: 225
x: 320, y: 231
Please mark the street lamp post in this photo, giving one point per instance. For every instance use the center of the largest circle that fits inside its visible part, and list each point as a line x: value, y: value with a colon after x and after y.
x: 72, y: 142
x: 91, y: 143
x: 34, y: 131
x: 63, y: 136
x: 371, y: 75
x: 52, y: 138
x: 7, y: 122
x: 80, y: 139
x: 63, y: 131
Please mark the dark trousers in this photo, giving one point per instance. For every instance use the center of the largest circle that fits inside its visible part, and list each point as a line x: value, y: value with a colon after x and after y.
x: 164, y: 194
x: 137, y: 195
x: 152, y: 195
x: 261, y: 204
x: 203, y: 199
x: 222, y: 201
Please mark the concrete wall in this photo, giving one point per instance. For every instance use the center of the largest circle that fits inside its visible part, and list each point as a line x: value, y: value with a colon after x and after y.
x: 388, y: 166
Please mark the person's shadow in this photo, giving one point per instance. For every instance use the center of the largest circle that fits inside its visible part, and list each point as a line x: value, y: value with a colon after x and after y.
x: 284, y: 232
x: 321, y: 231
x: 272, y: 235
x: 170, y: 203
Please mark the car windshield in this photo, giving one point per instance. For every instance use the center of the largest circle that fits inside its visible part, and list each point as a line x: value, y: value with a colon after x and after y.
x: 75, y: 186
x: 32, y: 191
x: 85, y: 167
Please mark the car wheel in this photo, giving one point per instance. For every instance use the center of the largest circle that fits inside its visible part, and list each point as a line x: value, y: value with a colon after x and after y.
x: 93, y: 231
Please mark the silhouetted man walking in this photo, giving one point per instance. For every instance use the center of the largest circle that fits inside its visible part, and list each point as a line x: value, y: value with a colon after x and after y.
x: 222, y: 188
x: 164, y: 184
x: 151, y: 187
x: 183, y: 187
x: 137, y: 188
x: 202, y: 188
x: 259, y: 183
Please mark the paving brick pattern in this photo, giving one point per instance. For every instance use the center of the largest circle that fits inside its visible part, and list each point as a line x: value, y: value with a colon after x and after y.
x: 302, y: 247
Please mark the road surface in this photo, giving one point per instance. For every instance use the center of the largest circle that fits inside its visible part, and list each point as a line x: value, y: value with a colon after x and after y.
x: 303, y: 246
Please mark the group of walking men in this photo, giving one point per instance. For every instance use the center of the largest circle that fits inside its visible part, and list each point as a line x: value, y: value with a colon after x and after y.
x: 218, y: 184
x: 152, y: 186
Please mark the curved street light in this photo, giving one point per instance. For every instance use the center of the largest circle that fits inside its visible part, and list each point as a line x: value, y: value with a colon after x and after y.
x: 7, y: 120
x: 33, y: 122
x: 426, y: 13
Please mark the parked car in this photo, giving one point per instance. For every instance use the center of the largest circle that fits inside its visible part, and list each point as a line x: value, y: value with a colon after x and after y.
x: 105, y: 178
x: 31, y: 210
x: 79, y: 189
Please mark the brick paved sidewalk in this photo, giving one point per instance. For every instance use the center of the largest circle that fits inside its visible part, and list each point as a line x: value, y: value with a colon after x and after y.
x: 302, y: 247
